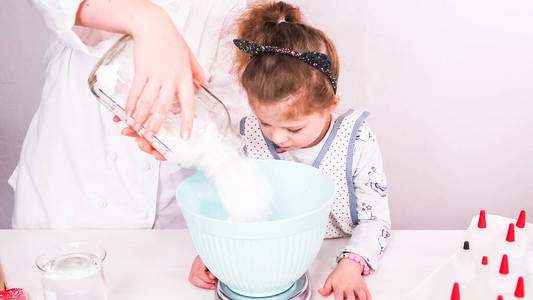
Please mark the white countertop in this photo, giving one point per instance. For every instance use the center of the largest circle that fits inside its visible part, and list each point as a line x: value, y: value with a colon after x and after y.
x: 154, y: 264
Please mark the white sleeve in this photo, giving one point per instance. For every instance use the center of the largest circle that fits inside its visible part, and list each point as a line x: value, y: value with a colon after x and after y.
x: 60, y: 17
x: 223, y: 81
x: 371, y: 235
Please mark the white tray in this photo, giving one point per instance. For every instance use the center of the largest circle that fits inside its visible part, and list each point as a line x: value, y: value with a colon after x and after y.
x: 438, y: 285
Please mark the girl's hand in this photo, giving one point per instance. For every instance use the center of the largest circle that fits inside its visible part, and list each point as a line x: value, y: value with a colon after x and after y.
x: 346, y: 282
x: 165, y: 70
x: 200, y: 275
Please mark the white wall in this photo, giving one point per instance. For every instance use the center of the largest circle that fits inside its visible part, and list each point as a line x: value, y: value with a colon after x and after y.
x: 23, y: 40
x: 449, y: 85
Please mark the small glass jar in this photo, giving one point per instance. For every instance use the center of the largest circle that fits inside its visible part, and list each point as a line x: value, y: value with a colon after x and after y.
x: 73, y: 271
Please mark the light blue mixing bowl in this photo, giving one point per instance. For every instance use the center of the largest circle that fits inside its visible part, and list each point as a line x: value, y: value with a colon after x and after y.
x: 259, y: 259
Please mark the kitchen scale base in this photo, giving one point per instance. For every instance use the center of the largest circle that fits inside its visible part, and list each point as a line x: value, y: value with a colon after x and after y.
x: 298, y: 291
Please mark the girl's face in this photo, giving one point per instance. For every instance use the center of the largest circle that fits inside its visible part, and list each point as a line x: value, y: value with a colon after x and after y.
x: 303, y: 132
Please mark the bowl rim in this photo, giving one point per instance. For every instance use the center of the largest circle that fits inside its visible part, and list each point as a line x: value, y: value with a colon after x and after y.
x: 278, y: 221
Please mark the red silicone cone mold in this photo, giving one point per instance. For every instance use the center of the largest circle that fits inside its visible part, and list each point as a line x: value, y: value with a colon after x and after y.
x: 482, y: 221
x: 521, y: 222
x: 455, y: 292
x: 510, y: 233
x: 519, y: 291
x: 504, y: 266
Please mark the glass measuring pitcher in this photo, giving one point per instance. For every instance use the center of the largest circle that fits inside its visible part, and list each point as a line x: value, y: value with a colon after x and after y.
x: 73, y: 271
x: 110, y: 81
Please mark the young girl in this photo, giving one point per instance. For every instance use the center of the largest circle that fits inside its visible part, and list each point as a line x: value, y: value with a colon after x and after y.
x: 289, y: 71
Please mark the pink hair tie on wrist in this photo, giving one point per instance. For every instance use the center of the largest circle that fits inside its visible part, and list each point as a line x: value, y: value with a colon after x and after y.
x: 356, y: 258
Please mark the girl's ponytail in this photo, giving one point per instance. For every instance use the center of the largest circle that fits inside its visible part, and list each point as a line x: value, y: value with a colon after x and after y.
x: 259, y: 24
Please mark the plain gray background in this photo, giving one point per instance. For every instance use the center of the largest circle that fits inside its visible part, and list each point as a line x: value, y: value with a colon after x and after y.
x: 23, y: 40
x: 448, y: 83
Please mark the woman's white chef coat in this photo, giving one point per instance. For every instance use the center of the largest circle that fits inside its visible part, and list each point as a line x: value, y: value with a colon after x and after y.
x: 75, y: 169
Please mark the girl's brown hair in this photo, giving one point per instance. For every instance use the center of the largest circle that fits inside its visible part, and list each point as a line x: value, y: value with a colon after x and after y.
x: 271, y: 78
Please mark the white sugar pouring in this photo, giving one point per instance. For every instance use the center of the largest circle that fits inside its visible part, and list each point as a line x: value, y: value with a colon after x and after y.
x: 214, y: 148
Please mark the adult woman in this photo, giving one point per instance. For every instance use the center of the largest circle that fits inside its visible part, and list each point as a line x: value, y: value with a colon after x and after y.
x: 75, y: 169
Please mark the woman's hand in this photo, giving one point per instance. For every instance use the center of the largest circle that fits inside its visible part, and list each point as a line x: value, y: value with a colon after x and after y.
x: 200, y: 275
x: 346, y: 282
x: 165, y: 69
x: 143, y: 143
x: 165, y: 73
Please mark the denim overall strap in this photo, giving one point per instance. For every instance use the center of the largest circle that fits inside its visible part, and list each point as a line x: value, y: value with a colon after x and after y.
x: 349, y: 157
x: 331, y: 137
x: 349, y: 167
